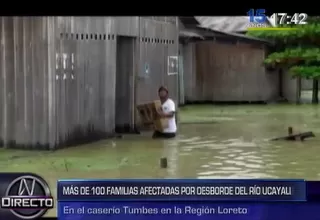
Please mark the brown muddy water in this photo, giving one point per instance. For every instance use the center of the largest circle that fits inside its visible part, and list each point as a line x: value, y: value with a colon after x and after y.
x: 213, y: 142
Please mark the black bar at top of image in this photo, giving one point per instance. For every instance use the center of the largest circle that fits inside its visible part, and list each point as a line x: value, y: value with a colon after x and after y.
x: 224, y: 9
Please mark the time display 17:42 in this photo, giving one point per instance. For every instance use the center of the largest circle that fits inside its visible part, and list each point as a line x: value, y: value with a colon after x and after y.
x: 259, y: 16
x: 284, y: 18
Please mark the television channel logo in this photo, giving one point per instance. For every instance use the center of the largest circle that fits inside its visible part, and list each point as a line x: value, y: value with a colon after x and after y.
x: 28, y: 197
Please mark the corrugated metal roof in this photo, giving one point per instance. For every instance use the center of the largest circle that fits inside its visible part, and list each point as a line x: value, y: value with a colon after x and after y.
x: 226, y: 24
x: 242, y: 36
x: 190, y: 33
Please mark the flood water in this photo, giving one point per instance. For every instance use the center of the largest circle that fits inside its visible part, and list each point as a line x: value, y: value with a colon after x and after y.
x: 213, y: 142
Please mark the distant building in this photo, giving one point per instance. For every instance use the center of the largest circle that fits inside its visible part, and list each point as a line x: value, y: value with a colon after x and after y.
x: 219, y: 64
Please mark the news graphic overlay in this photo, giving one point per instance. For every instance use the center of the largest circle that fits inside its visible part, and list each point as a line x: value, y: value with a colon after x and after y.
x: 182, y: 190
x: 26, y: 196
x: 172, y: 199
x: 258, y: 20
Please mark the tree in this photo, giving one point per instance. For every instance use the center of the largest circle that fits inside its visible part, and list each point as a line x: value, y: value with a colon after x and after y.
x: 297, y: 48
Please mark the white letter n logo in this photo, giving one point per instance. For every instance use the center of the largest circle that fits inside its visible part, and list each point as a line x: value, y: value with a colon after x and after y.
x: 24, y: 188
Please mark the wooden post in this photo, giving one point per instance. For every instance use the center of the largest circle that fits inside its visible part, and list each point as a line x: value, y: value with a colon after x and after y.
x: 163, y: 162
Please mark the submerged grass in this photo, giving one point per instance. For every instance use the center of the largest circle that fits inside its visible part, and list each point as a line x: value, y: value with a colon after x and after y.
x: 240, y: 110
x: 63, y: 160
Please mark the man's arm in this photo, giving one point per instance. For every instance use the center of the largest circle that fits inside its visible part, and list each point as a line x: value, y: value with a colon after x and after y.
x: 170, y: 114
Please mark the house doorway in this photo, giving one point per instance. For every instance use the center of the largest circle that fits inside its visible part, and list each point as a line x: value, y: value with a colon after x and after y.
x: 124, y: 85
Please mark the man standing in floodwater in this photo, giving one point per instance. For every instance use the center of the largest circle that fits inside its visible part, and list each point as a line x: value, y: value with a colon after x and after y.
x: 167, y: 110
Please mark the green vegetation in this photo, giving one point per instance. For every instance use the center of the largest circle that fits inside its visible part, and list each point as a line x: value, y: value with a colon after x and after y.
x: 297, y: 49
x: 306, y: 34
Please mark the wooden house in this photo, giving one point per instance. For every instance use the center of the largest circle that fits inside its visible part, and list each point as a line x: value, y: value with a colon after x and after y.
x: 221, y: 64
x: 69, y: 80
